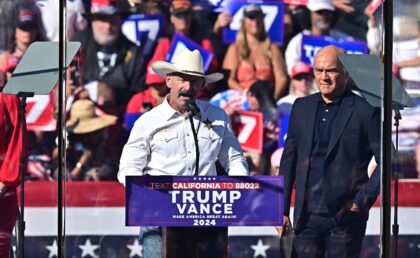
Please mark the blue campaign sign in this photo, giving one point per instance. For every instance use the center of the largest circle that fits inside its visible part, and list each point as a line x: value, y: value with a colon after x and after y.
x: 273, y: 19
x: 179, y: 43
x: 283, y: 124
x: 311, y: 44
x: 144, y: 30
x: 215, y: 201
x: 218, y: 5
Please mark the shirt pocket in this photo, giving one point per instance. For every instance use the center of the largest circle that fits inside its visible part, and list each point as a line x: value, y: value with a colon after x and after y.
x: 166, y: 144
x: 210, y: 143
x: 166, y: 136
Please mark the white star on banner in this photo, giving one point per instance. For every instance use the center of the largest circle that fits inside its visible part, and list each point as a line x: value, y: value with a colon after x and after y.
x: 88, y: 249
x: 135, y: 249
x: 260, y: 248
x: 52, y: 249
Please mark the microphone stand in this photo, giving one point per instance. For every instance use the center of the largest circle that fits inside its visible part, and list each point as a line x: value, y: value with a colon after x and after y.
x: 197, y: 150
x: 395, y: 226
x: 195, y: 111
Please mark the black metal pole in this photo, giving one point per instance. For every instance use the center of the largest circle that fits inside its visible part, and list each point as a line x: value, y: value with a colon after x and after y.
x: 60, y: 134
x: 386, y: 137
x: 395, y: 226
x: 21, y: 222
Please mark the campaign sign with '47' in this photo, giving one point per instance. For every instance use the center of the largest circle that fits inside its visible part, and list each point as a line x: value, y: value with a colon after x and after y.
x: 213, y: 201
x: 273, y: 18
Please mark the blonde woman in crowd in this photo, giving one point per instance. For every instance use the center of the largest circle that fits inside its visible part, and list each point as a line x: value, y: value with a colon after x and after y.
x: 254, y: 57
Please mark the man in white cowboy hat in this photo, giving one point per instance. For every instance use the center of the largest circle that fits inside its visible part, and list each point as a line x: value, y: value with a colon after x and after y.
x: 161, y: 141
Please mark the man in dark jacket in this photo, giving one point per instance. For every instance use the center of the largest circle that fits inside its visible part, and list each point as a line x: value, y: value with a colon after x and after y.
x: 110, y: 56
x: 331, y: 139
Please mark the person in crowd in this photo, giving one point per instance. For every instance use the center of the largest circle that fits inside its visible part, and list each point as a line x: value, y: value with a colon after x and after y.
x: 145, y: 153
x: 146, y: 100
x: 88, y: 157
x: 406, y: 51
x: 40, y: 143
x: 12, y: 135
x: 301, y: 14
x: 260, y: 99
x: 110, y: 56
x: 181, y: 23
x: 8, y: 21
x: 322, y: 20
x: 254, y: 57
x: 374, y: 32
x: 50, y: 17
x: 27, y: 29
x: 331, y: 139
x: 290, y: 29
x: 301, y: 85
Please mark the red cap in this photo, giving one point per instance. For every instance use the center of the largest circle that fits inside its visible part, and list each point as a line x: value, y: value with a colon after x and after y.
x: 296, y: 2
x: 301, y: 67
x: 153, y: 78
x: 107, y: 7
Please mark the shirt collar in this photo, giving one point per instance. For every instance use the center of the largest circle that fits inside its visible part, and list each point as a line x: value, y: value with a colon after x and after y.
x: 167, y: 110
x: 335, y: 101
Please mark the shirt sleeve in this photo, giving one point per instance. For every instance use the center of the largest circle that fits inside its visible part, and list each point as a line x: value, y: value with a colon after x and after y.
x: 230, y: 154
x: 13, y: 139
x: 135, y: 153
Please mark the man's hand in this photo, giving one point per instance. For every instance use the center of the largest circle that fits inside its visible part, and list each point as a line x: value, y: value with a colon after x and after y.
x: 285, y: 227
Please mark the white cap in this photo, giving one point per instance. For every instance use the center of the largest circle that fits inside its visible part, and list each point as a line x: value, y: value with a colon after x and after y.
x: 317, y: 5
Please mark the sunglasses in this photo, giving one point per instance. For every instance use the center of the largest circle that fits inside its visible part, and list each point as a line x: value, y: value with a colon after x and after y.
x: 182, y: 14
x: 27, y: 27
x: 254, y: 15
x: 303, y: 76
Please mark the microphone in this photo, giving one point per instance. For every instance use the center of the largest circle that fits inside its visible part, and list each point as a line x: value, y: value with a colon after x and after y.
x: 194, y: 110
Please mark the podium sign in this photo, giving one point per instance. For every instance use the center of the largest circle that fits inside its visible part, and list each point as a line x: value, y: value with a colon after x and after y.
x: 204, y: 201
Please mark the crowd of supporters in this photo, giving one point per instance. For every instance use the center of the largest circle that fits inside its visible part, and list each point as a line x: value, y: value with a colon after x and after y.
x: 110, y: 82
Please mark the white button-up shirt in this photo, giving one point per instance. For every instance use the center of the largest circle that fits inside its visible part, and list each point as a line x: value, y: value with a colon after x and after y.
x: 162, y: 143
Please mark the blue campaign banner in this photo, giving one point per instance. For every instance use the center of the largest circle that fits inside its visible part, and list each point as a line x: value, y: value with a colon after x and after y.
x: 283, y: 124
x: 273, y: 19
x: 144, y: 30
x: 130, y: 118
x: 218, y: 5
x: 179, y: 43
x: 311, y: 44
x: 216, y: 201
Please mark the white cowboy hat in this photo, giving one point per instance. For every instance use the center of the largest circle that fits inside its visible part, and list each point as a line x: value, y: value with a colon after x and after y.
x: 186, y: 62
